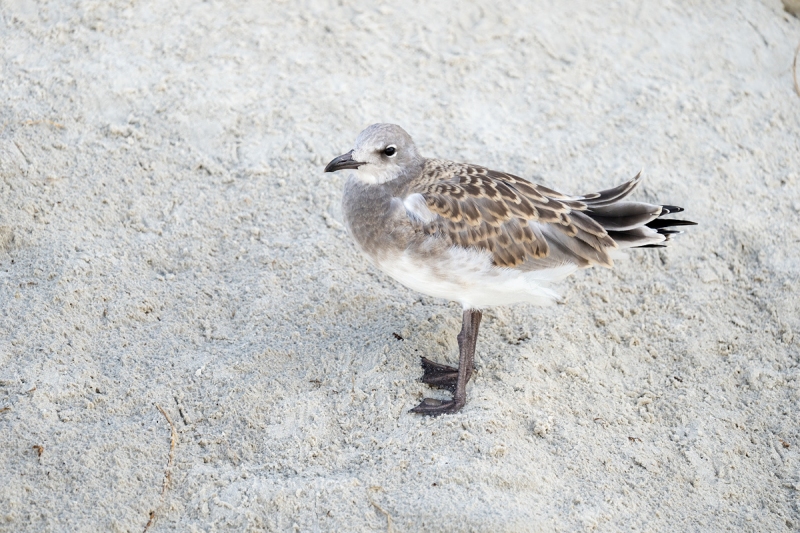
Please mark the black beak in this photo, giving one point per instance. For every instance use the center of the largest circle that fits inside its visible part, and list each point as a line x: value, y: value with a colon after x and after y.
x: 342, y: 162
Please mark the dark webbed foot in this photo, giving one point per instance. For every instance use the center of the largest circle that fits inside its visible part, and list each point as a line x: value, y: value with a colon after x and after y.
x: 450, y: 378
x: 439, y: 375
x: 434, y: 407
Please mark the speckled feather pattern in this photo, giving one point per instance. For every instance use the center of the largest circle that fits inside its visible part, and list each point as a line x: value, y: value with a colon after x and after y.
x: 489, y: 210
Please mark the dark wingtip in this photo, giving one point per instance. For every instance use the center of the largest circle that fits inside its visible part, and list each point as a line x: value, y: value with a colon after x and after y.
x: 651, y: 246
x: 669, y: 209
x: 666, y: 222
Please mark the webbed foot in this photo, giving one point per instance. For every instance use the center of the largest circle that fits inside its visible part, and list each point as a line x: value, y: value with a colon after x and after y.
x: 434, y: 407
x: 439, y: 375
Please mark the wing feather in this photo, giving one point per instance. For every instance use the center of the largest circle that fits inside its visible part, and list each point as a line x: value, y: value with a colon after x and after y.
x: 525, y: 225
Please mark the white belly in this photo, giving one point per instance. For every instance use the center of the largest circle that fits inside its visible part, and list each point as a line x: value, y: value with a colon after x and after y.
x: 468, y: 276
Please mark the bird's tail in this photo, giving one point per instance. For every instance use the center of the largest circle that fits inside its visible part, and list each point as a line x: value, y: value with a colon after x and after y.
x: 632, y: 224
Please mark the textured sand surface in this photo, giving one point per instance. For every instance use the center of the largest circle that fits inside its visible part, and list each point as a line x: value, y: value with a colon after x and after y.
x: 168, y: 238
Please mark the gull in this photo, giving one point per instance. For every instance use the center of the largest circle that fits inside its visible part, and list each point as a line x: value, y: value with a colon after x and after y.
x: 480, y: 237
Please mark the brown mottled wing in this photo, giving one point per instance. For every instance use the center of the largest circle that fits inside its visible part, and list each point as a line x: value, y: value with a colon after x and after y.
x: 517, y: 221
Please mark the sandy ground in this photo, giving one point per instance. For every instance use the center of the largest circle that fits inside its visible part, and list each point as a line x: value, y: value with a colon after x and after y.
x: 168, y: 239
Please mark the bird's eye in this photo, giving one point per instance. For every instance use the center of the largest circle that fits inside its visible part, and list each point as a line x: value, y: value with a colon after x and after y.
x: 390, y: 150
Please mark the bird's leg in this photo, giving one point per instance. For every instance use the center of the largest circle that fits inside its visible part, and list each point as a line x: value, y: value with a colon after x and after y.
x: 447, y: 377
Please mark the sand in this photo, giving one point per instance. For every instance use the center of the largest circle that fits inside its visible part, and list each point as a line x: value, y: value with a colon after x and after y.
x: 168, y: 240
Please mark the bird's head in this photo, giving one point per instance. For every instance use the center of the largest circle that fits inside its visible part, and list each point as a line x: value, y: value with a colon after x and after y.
x: 383, y: 152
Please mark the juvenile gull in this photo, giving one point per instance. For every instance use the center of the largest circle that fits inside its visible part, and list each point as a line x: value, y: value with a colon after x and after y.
x: 480, y: 237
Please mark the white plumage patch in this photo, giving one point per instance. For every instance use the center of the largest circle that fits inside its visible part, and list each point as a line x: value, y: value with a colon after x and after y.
x: 468, y: 276
x: 372, y: 174
x: 417, y: 208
